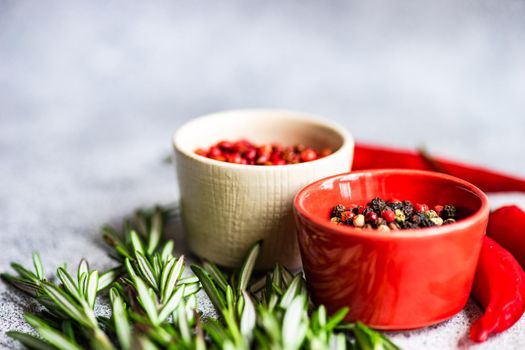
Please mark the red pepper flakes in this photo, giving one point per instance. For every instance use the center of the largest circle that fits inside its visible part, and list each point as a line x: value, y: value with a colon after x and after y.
x: 245, y: 152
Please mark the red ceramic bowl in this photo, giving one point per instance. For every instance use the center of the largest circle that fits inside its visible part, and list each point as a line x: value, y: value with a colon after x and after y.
x: 396, y: 280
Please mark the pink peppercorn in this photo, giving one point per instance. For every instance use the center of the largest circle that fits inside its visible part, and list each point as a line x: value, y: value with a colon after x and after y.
x: 308, y: 155
x: 422, y: 208
x: 388, y: 215
x: 265, y: 154
x: 370, y: 216
x: 235, y: 158
x: 214, y: 152
x: 225, y: 145
x: 325, y: 152
x: 201, y: 152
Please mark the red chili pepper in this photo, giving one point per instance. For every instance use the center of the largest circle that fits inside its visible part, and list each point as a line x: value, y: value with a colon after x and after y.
x: 499, y: 286
x: 507, y: 227
x: 373, y: 157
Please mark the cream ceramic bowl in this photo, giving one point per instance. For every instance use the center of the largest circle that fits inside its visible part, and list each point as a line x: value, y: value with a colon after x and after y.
x: 227, y: 207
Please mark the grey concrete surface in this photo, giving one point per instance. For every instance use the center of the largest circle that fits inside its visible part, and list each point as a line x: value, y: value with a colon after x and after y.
x: 90, y: 93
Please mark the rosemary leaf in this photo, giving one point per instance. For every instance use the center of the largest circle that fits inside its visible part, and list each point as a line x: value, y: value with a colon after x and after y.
x: 248, y: 317
x: 28, y: 287
x: 155, y: 232
x: 146, y: 270
x: 67, y: 304
x: 130, y: 269
x: 92, y: 288
x: 216, y: 274
x: 37, y: 263
x: 83, y: 268
x: 291, y: 292
x: 167, y: 251
x: 120, y: 319
x: 69, y: 284
x: 215, y: 296
x: 147, y: 302
x: 294, y: 328
x: 51, y: 335
x: 172, y: 303
x: 30, y: 341
x: 107, y: 278
x: 136, y: 242
x: 245, y: 273
x: 24, y: 273
x: 172, y: 276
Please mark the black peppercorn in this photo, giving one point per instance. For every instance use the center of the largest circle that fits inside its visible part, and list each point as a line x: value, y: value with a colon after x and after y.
x: 377, y: 204
x: 424, y: 221
x: 394, y: 205
x: 407, y: 208
x: 392, y: 215
x: 416, y: 219
x: 448, y: 212
x: 337, y: 210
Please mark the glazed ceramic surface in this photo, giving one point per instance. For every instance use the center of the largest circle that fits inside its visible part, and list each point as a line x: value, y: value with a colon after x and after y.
x: 391, y: 280
x: 228, y: 207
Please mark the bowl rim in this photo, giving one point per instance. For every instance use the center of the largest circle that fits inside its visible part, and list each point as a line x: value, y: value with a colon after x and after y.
x: 479, y: 215
x: 348, y: 139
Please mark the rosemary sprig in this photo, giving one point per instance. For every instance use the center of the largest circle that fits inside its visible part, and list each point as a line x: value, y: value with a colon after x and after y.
x: 70, y: 303
x: 154, y: 306
x: 274, y: 313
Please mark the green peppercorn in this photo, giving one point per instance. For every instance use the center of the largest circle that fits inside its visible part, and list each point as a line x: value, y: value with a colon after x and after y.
x: 431, y: 214
x: 335, y: 220
x: 400, y: 215
x: 437, y: 221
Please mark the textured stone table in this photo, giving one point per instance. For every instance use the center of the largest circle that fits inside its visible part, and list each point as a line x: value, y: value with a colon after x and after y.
x: 90, y: 95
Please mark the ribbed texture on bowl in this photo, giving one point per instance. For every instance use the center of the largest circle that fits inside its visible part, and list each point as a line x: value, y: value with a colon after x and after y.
x: 226, y: 208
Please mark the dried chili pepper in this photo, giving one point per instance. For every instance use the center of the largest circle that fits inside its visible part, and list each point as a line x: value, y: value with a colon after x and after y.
x: 374, y: 157
x: 499, y: 286
x: 507, y: 227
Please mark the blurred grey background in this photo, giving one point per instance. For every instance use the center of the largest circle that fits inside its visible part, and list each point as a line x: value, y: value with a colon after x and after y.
x: 90, y: 93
